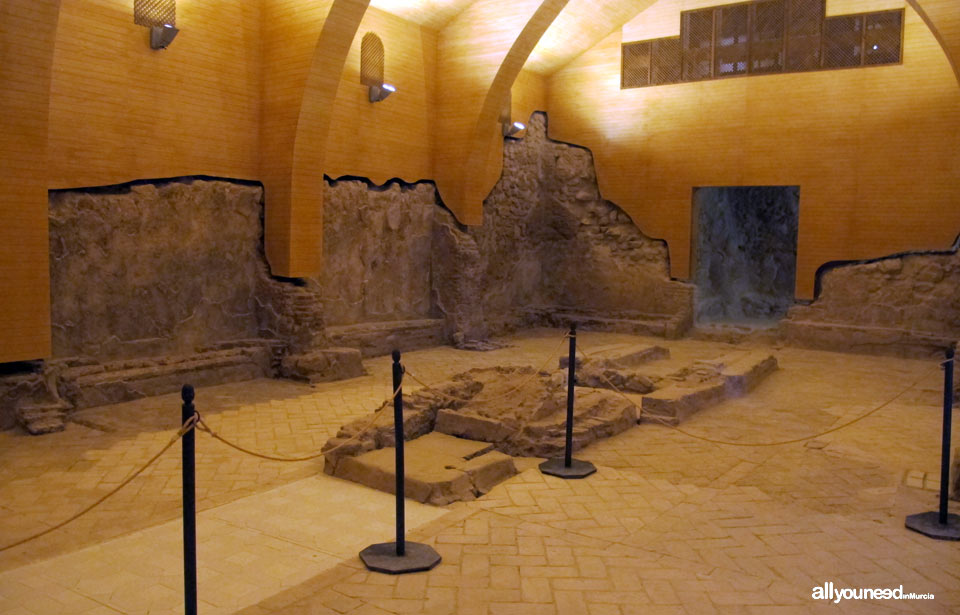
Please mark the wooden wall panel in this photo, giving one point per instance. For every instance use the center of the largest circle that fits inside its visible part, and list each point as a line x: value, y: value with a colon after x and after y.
x: 943, y: 19
x: 121, y: 111
x: 392, y: 138
x: 874, y: 150
x: 27, y: 34
x: 305, y: 45
x: 480, y: 54
x: 528, y: 94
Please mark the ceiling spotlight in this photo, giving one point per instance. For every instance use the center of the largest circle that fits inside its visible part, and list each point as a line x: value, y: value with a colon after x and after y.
x: 161, y: 36
x: 380, y: 92
x: 511, y: 129
x: 161, y: 17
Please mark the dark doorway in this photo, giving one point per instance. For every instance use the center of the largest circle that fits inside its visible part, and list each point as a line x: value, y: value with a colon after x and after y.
x: 744, y: 252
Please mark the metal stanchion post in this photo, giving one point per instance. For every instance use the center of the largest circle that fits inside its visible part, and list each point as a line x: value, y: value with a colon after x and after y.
x: 568, y: 467
x: 941, y: 524
x: 400, y: 556
x: 189, y: 506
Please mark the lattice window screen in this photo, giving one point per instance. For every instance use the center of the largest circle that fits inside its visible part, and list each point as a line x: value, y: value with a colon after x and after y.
x: 767, y: 29
x: 804, y: 27
x: 881, y: 40
x: 666, y: 62
x: 371, y: 60
x: 842, y: 41
x: 155, y: 13
x: 697, y: 34
x: 635, y: 65
x: 730, y: 43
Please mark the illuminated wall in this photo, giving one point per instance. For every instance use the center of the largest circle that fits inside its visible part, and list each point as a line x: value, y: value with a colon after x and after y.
x: 874, y: 150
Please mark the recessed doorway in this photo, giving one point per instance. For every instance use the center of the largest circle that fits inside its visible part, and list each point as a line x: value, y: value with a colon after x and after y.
x: 744, y: 252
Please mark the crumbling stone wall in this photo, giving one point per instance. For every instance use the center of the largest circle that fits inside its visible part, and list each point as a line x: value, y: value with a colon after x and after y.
x: 155, y: 268
x: 899, y: 301
x: 377, y: 251
x: 548, y: 240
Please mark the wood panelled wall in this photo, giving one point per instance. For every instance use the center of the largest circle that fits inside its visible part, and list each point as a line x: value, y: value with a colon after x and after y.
x: 394, y: 137
x: 120, y: 111
x: 25, y: 65
x: 943, y: 19
x: 874, y: 150
x: 480, y: 53
x: 528, y: 94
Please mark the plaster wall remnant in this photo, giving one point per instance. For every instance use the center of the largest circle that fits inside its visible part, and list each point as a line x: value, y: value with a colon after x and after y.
x: 901, y: 304
x: 550, y: 243
x: 745, y: 252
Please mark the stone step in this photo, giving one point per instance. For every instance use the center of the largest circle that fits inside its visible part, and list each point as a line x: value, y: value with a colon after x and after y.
x: 324, y: 365
x: 736, y: 375
x: 380, y: 338
x: 670, y: 326
x: 101, y: 384
x: 438, y: 469
x: 43, y: 418
x: 620, y: 355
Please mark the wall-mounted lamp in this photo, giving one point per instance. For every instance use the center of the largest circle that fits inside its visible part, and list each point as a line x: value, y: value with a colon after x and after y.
x: 379, y: 92
x: 511, y: 129
x: 161, y: 17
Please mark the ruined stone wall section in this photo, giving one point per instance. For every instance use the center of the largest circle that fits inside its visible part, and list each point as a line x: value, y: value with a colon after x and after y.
x: 377, y: 252
x: 154, y: 269
x: 916, y: 292
x: 549, y: 240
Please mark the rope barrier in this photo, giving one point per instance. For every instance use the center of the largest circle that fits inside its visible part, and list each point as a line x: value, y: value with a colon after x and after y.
x: 504, y: 395
x: 186, y: 427
x: 202, y: 426
x: 760, y: 444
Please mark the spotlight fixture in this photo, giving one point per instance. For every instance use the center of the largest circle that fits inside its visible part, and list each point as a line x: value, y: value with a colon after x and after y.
x: 380, y: 92
x: 161, y: 36
x: 511, y: 129
x: 161, y: 17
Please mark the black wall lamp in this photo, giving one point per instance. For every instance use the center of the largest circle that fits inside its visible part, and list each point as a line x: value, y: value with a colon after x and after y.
x: 161, y: 17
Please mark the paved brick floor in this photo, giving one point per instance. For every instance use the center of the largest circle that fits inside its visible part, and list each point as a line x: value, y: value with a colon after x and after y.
x: 669, y: 524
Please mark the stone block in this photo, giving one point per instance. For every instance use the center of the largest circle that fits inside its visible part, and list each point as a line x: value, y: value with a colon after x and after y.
x: 674, y: 404
x: 324, y: 365
x: 380, y: 338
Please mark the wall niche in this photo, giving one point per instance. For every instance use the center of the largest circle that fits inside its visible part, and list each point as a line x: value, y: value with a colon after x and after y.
x: 744, y: 252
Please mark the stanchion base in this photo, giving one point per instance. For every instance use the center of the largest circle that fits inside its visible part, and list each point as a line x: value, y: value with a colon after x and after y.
x: 383, y: 557
x: 577, y: 469
x: 928, y: 524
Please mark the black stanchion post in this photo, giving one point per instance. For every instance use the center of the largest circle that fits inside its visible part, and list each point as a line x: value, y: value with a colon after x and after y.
x: 398, y: 444
x: 568, y: 467
x: 571, y: 384
x: 941, y: 524
x: 189, y: 506
x: 400, y: 556
x: 945, y: 435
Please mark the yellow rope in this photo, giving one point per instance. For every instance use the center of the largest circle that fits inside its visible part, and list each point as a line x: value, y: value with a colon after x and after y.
x: 190, y: 424
x: 202, y: 426
x: 755, y: 444
x: 504, y: 395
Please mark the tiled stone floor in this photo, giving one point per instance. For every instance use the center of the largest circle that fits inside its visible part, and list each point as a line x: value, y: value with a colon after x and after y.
x: 669, y: 524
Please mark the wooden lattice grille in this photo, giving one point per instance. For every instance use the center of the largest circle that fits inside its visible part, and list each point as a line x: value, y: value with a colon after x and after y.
x: 732, y: 50
x: 842, y: 41
x: 767, y: 36
x: 371, y: 60
x: 635, y: 65
x: 763, y: 37
x: 155, y: 13
x: 697, y: 34
x: 666, y: 61
x: 883, y: 38
x: 804, y: 32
